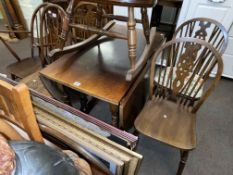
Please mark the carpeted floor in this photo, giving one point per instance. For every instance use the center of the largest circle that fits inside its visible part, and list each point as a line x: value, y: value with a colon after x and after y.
x: 214, y: 153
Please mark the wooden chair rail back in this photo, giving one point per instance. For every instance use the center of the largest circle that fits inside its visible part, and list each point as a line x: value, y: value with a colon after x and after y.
x: 89, y: 14
x: 207, y: 29
x: 15, y: 104
x: 179, y: 70
x: 64, y: 38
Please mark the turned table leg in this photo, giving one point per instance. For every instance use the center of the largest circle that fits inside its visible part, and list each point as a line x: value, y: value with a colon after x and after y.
x: 132, y: 37
x: 115, y: 114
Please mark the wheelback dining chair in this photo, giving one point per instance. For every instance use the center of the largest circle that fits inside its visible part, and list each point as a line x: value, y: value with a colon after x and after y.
x: 206, y: 29
x: 83, y: 13
x: 17, y: 121
x: 26, y: 66
x: 169, y: 116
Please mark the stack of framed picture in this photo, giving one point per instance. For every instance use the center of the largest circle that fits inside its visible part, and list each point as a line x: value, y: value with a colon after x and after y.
x: 106, y: 148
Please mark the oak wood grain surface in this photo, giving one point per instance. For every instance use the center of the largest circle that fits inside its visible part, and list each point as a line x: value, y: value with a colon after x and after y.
x: 164, y: 126
x: 98, y: 70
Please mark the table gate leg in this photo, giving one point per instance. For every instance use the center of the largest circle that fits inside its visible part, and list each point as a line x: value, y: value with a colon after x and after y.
x: 145, y: 24
x: 115, y: 114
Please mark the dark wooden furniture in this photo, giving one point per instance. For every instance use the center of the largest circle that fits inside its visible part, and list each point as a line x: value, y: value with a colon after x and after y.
x: 167, y: 28
x: 26, y: 66
x: 206, y: 29
x: 170, y: 114
x: 83, y: 13
x: 136, y: 64
x: 98, y: 70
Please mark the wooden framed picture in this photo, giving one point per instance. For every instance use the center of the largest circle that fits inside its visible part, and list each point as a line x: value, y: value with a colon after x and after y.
x: 86, y: 135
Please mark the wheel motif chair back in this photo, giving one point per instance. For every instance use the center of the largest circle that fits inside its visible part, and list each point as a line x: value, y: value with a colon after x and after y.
x: 206, y: 29
x: 181, y: 68
x: 90, y: 14
x: 50, y: 29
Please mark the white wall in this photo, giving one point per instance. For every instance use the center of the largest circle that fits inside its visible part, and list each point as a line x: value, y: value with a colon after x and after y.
x: 27, y: 7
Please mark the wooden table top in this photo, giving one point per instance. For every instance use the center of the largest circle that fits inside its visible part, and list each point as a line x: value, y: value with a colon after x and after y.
x: 98, y: 70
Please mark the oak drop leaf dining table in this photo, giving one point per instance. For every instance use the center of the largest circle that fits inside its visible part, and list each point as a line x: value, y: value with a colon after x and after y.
x: 98, y: 70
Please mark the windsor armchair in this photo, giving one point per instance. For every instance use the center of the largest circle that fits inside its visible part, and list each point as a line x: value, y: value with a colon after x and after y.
x: 169, y: 115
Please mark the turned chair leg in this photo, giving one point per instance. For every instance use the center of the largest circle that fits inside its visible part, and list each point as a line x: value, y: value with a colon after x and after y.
x: 183, y: 160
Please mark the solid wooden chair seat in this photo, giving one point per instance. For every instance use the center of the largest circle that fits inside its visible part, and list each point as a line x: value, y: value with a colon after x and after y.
x: 25, y: 67
x: 164, y: 121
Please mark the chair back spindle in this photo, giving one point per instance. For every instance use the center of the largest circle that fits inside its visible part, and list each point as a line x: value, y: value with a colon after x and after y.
x: 180, y: 69
x: 206, y: 29
x: 90, y: 14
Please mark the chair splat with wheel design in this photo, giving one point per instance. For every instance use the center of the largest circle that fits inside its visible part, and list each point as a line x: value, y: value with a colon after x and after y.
x: 206, y: 29
x: 170, y: 113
